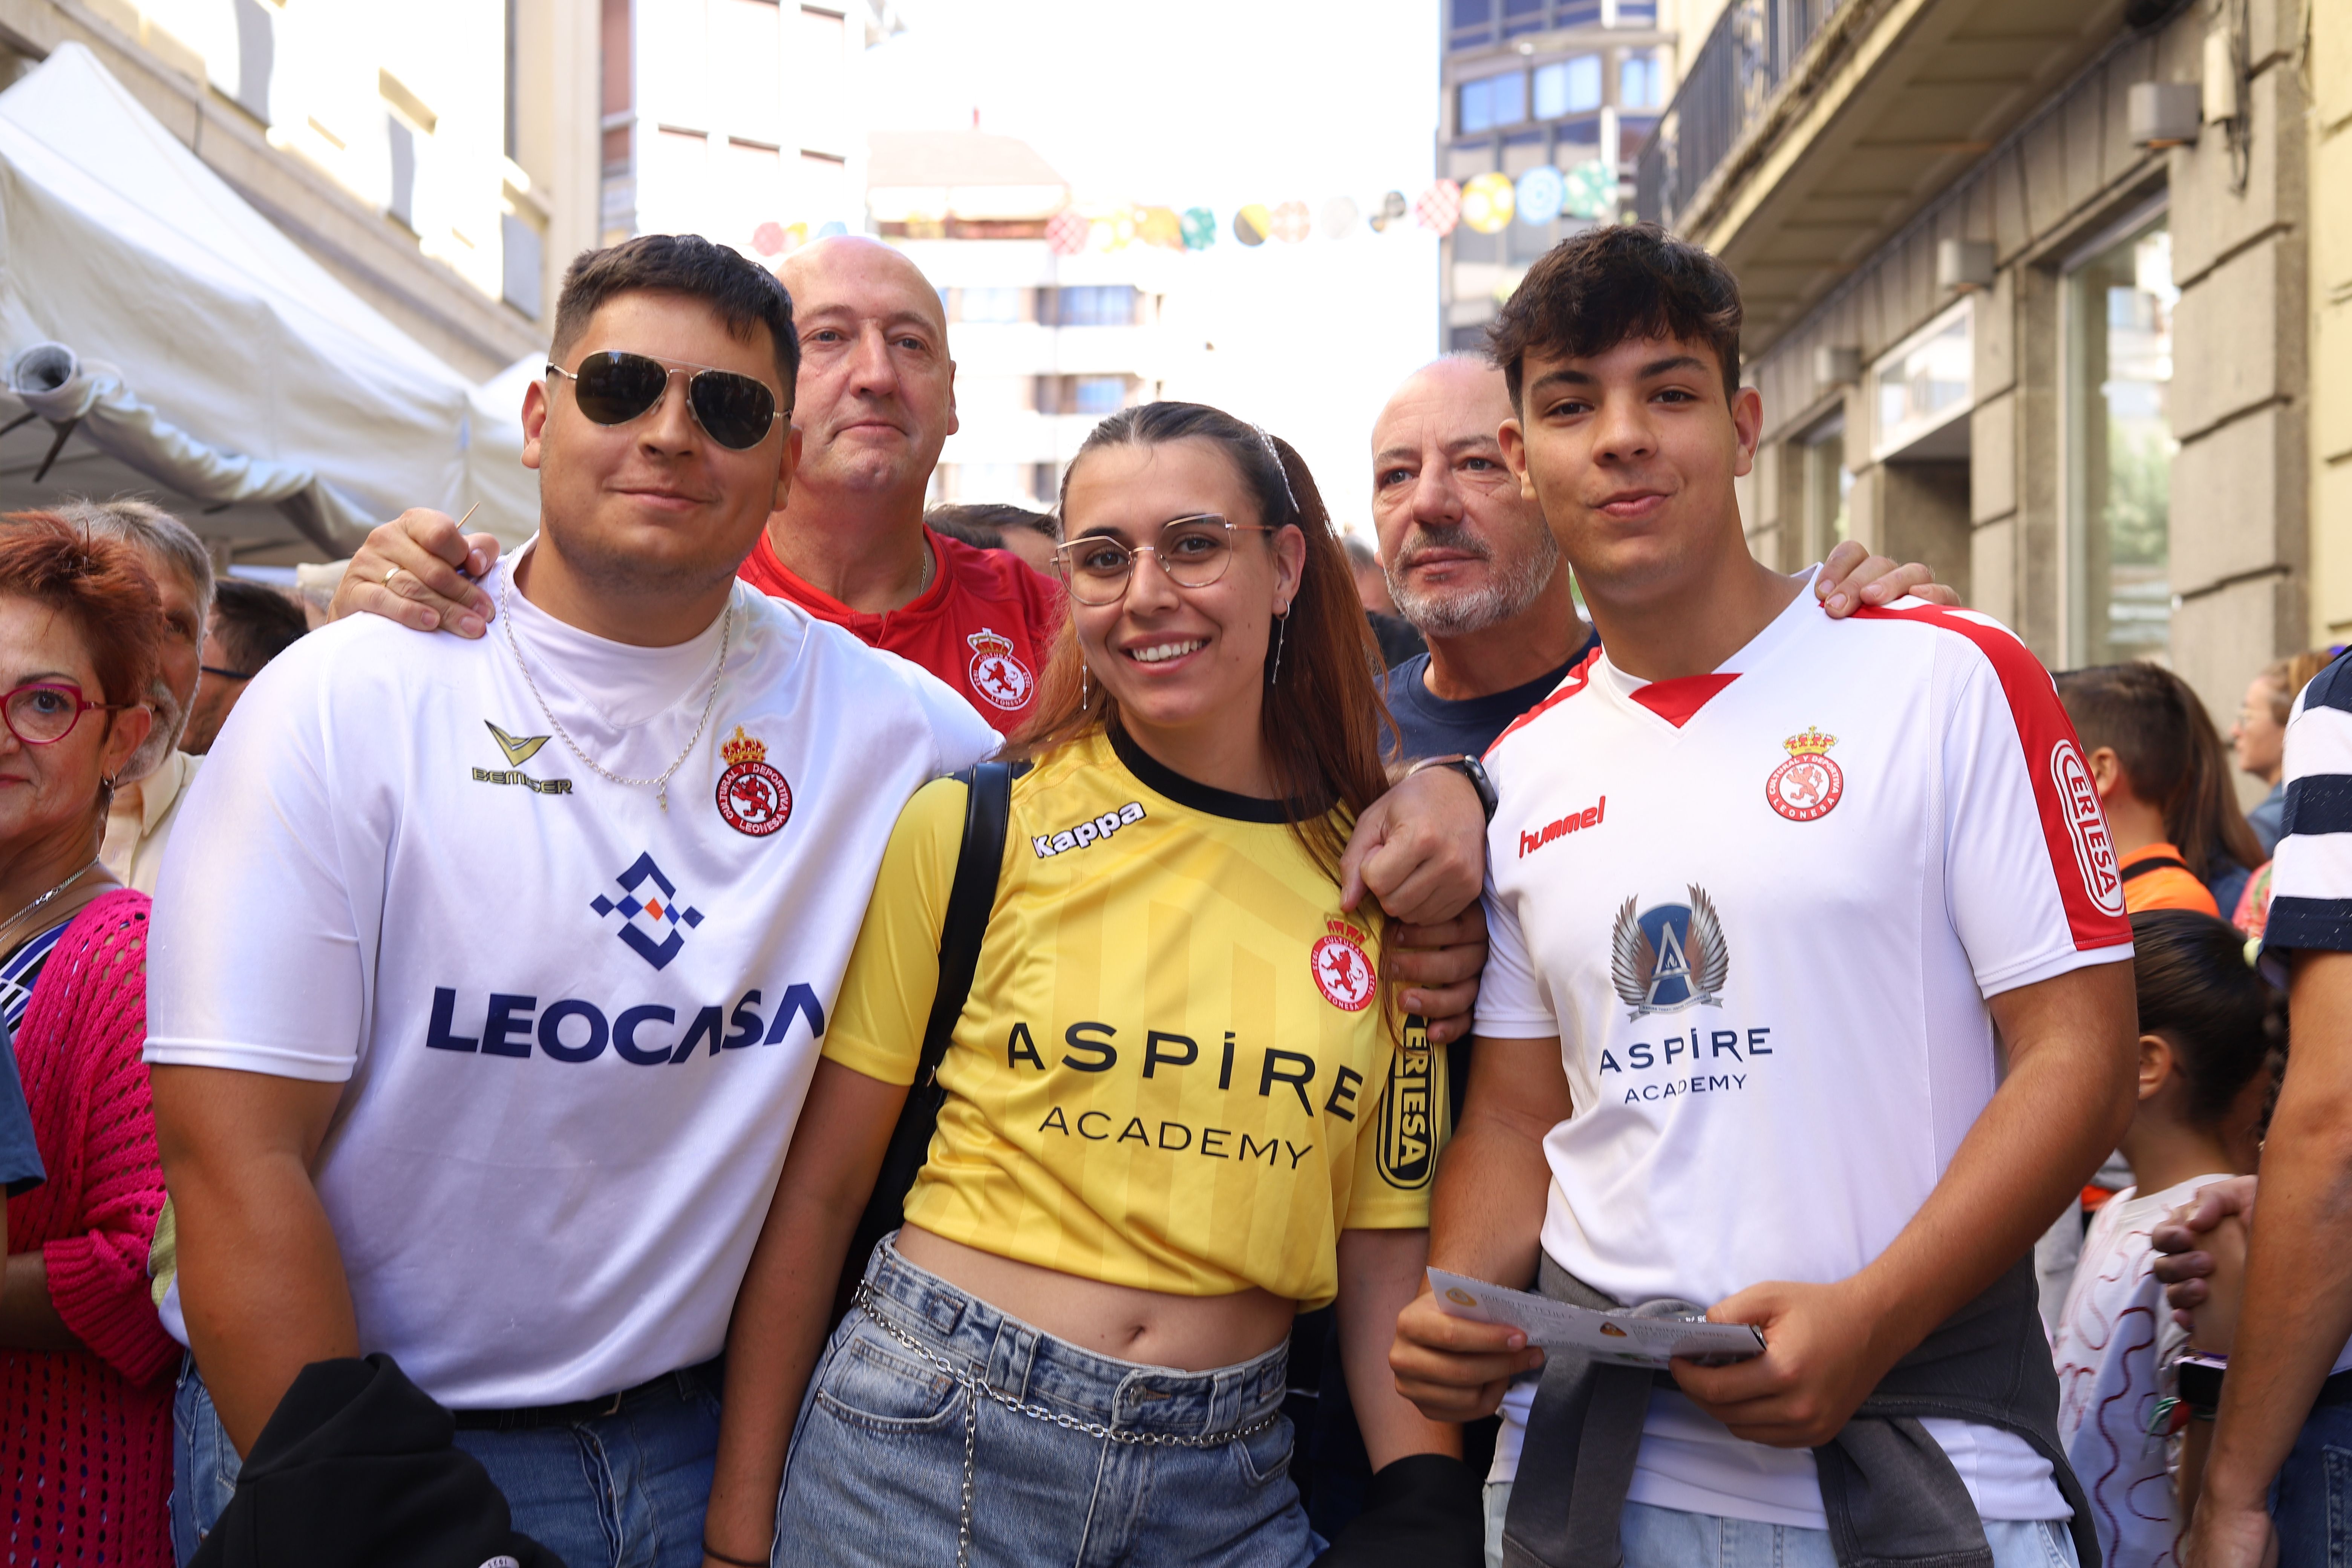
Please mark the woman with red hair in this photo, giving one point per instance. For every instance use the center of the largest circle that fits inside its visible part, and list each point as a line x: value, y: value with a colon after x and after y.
x: 85, y: 1404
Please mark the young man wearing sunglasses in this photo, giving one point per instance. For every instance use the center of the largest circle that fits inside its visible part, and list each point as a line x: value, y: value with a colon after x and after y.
x: 876, y: 405
x: 477, y: 1032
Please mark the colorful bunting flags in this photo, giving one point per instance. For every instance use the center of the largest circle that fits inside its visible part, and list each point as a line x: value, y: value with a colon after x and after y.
x: 1487, y: 203
x: 1440, y: 207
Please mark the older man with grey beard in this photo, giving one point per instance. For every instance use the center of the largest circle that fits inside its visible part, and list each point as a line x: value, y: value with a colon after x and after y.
x: 1472, y: 564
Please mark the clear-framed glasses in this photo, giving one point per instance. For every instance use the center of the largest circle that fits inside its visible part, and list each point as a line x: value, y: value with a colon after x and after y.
x: 43, y: 713
x: 613, y: 388
x: 1192, y: 550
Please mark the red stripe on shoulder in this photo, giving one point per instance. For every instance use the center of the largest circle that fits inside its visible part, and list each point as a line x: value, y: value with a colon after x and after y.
x: 2081, y: 853
x: 1574, y: 682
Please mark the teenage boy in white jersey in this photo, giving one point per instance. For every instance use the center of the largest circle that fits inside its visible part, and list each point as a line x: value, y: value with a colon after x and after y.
x: 477, y: 1034
x: 1806, y: 1000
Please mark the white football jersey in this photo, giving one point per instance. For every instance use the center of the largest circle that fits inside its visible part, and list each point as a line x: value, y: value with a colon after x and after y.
x: 1763, y: 909
x: 574, y: 1029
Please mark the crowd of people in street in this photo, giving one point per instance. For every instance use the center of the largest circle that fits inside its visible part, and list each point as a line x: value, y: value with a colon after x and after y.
x: 776, y: 1024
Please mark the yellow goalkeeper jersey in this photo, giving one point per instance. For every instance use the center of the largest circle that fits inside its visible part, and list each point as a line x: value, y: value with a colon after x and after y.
x: 1173, y: 1070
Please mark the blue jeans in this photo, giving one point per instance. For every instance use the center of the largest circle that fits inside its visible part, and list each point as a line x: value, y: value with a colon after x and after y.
x: 1669, y: 1538
x: 890, y: 1450
x: 2312, y: 1505
x: 626, y: 1490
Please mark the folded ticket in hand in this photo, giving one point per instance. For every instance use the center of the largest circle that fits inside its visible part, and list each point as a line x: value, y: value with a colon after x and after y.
x: 1608, y: 1336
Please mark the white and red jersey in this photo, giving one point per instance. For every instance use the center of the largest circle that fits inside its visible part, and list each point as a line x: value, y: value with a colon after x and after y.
x: 1763, y: 909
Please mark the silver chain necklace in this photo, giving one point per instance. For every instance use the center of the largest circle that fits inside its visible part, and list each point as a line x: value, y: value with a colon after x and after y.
x: 660, y: 784
x: 42, y: 902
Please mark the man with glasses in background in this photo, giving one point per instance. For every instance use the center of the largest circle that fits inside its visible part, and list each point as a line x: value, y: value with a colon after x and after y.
x: 876, y: 405
x: 252, y: 623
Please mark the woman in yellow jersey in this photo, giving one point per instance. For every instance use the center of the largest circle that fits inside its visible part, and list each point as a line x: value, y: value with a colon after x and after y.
x: 1178, y: 1109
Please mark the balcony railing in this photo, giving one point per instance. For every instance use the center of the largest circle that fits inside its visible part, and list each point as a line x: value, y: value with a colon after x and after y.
x: 1748, y: 53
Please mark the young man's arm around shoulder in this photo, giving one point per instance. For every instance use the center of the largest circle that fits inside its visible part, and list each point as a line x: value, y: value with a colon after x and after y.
x: 261, y: 1282
x: 2066, y: 1099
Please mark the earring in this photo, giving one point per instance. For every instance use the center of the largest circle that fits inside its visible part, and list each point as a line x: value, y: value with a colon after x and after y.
x: 1082, y: 685
x: 1281, y: 629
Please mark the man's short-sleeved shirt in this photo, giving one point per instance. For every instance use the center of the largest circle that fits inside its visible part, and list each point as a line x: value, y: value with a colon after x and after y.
x: 985, y: 625
x: 574, y: 1029
x: 1429, y: 725
x: 1763, y: 908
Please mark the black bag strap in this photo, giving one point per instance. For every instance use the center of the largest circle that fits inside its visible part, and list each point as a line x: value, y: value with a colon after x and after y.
x: 988, y: 809
x: 2153, y: 863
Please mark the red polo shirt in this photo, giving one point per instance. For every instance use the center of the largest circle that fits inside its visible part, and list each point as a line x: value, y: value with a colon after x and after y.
x: 985, y: 625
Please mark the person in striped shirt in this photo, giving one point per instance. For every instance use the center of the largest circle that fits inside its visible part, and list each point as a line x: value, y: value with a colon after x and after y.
x: 2286, y: 1404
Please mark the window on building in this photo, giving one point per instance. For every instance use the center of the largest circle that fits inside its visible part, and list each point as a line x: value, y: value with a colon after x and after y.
x: 1829, y: 489
x: 1568, y: 87
x: 1637, y: 12
x: 989, y: 305
x: 1576, y: 14
x: 1924, y: 383
x: 1473, y: 23
x: 1633, y: 134
x: 1096, y: 305
x: 1493, y: 100
x: 522, y: 263
x: 2119, y: 449
x: 1522, y: 17
x: 1098, y: 393
x: 1640, y: 83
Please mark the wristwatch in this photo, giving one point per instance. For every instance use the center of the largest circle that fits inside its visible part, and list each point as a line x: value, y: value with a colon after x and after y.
x: 1467, y: 766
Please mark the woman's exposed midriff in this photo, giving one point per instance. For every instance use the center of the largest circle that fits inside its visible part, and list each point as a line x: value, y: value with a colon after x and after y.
x: 1190, y: 1333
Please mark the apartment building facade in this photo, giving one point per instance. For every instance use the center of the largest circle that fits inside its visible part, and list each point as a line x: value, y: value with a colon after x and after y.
x: 1530, y: 84
x: 2046, y: 293
x: 1044, y: 343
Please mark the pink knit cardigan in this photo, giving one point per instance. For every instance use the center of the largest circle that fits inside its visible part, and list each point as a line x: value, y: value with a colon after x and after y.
x: 85, y: 1455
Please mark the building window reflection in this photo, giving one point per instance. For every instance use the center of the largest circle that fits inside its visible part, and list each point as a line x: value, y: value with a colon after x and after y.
x: 1494, y: 100
x: 2118, y: 306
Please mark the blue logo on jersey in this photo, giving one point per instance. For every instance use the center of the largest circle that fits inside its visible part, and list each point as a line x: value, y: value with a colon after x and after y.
x: 1669, y: 956
x: 657, y: 939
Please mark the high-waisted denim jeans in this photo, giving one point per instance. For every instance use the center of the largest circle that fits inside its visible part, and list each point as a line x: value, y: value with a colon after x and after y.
x: 888, y: 1442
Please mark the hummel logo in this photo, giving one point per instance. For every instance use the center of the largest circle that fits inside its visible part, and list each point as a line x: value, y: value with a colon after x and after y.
x: 519, y: 748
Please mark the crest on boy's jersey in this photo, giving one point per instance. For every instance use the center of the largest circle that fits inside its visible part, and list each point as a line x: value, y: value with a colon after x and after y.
x: 1669, y: 956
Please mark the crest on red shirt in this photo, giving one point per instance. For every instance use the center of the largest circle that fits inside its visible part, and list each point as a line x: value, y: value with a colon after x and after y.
x: 1343, y: 971
x: 1805, y: 787
x: 753, y: 798
x: 995, y: 674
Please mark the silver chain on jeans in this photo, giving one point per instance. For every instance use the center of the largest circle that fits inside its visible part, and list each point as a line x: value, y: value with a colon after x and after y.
x: 973, y: 1384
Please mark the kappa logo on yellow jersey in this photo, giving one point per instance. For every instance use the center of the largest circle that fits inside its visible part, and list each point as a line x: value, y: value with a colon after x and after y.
x: 1092, y: 831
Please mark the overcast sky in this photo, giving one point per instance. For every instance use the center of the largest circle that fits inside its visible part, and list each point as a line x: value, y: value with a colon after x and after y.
x: 1216, y: 103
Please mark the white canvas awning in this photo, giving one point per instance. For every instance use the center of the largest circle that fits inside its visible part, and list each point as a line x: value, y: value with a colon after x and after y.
x: 201, y: 356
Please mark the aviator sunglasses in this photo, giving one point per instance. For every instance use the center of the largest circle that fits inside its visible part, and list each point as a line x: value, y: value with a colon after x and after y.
x: 613, y: 388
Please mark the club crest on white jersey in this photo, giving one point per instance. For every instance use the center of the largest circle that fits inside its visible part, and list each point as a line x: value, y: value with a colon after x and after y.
x: 1807, y: 786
